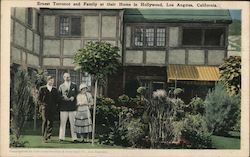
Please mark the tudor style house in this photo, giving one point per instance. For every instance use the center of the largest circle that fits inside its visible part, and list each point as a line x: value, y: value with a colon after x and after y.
x: 160, y: 49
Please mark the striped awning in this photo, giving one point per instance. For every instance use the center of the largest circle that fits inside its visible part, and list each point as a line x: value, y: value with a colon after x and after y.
x: 192, y: 72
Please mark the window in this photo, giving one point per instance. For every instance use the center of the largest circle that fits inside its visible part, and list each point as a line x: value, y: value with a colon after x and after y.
x: 70, y: 26
x: 38, y: 23
x: 29, y: 20
x: 149, y: 37
x: 58, y: 75
x: 214, y: 37
x: 192, y: 37
x: 52, y: 72
x: 160, y: 40
x: 138, y: 37
x: 203, y: 37
x: 75, y: 77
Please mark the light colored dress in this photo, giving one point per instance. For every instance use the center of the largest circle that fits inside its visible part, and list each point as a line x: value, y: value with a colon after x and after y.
x: 83, y: 122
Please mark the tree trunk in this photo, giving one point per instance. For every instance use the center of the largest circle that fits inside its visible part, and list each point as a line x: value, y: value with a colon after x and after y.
x: 94, y: 112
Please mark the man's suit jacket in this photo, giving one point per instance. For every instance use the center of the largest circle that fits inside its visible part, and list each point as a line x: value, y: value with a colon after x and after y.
x: 48, y: 100
x: 67, y: 105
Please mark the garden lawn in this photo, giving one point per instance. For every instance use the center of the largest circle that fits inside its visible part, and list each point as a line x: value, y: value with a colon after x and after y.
x: 220, y: 142
x: 35, y: 141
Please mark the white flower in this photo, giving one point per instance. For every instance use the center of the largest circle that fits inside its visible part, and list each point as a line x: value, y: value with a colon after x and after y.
x: 159, y: 93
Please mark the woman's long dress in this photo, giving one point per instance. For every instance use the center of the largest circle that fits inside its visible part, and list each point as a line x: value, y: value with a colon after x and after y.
x: 83, y: 122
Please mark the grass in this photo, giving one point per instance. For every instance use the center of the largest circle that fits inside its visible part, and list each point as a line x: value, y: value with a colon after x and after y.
x: 232, y: 142
x: 35, y: 141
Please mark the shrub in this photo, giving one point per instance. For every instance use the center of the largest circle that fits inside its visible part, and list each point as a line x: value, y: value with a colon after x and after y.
x: 141, y: 90
x: 123, y: 100
x: 192, y: 131
x: 14, y: 142
x: 196, y: 106
x: 221, y: 110
x: 112, y: 122
x: 159, y: 115
x: 135, y: 131
x: 230, y: 74
x: 20, y: 101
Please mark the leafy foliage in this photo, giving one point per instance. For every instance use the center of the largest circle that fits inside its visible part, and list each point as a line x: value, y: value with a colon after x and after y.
x: 193, y: 131
x: 230, y: 74
x: 21, y: 101
x: 14, y: 142
x: 221, y: 110
x: 159, y: 115
x: 135, y: 131
x: 196, y: 106
x: 99, y: 59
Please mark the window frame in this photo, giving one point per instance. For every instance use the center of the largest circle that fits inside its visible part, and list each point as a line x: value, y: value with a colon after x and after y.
x: 203, y: 30
x: 30, y: 17
x: 155, y: 36
x: 59, y: 79
x: 70, y: 26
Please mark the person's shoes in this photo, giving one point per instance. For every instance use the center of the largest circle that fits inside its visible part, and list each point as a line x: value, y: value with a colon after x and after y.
x: 61, y: 141
x: 75, y: 141
x: 82, y: 141
x: 45, y: 141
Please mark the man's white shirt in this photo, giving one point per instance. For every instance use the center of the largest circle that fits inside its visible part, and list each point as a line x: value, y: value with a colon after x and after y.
x: 49, y: 87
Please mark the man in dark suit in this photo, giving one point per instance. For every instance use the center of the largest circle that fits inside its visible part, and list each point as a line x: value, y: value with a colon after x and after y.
x: 48, y: 98
x: 67, y: 94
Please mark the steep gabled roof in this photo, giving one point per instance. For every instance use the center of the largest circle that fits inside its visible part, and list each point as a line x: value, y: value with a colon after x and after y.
x: 177, y: 16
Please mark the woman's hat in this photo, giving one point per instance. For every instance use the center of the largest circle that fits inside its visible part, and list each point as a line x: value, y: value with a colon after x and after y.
x: 83, y: 85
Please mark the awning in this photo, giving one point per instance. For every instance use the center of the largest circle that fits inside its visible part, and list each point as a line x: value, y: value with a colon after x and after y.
x: 192, y: 73
x: 177, y: 16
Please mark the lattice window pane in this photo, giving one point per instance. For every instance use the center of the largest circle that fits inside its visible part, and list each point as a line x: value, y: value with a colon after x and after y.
x: 138, y: 37
x: 64, y: 26
x: 52, y: 72
x: 149, y: 37
x: 161, y: 37
x: 60, y: 76
x: 30, y: 16
x: 76, y: 26
x: 75, y: 77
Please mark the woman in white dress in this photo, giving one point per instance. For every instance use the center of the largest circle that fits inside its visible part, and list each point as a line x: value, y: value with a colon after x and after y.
x: 83, y: 122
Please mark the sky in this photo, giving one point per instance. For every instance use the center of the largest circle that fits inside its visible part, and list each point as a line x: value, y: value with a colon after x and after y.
x: 236, y: 14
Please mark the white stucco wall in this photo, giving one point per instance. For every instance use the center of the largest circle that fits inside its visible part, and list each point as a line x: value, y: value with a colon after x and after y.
x: 49, y: 25
x: 51, y: 47
x: 19, y: 37
x: 215, y: 57
x: 29, y: 40
x: 155, y: 57
x: 32, y: 59
x: 36, y: 43
x: 173, y: 36
x: 134, y: 56
x: 109, y: 26
x: 91, y: 26
x: 21, y: 14
x: 51, y: 61
x: 176, y: 57
x: 15, y: 54
x: 196, y: 57
x: 128, y: 36
x: 70, y: 47
x: 68, y: 62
